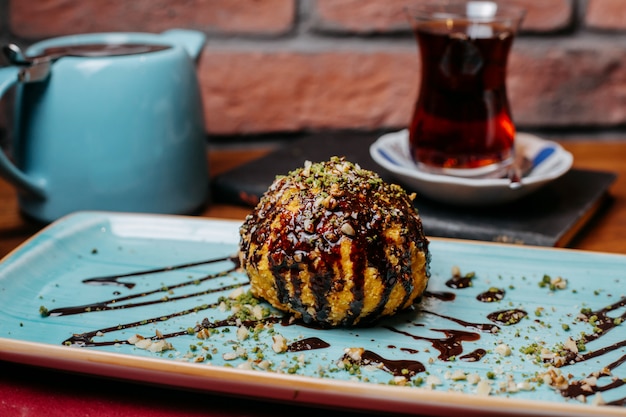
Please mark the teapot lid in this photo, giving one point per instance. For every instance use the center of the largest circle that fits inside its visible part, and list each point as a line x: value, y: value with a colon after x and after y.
x: 101, y: 49
x: 52, y: 53
x: 37, y: 68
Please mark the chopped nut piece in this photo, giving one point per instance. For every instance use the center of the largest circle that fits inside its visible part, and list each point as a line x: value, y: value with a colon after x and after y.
x: 555, y: 379
x: 143, y: 343
x: 354, y: 353
x: 458, y: 375
x: 347, y: 229
x: 456, y: 271
x: 473, y: 379
x: 242, y: 333
x: 400, y: 380
x: 571, y: 345
x: 559, y: 283
x: 236, y: 293
x: 503, y: 349
x: 280, y: 343
x: 591, y: 381
x: 433, y: 380
x: 257, y: 312
x: 483, y: 388
x: 547, y: 355
x: 203, y: 333
x: 598, y: 400
x: 160, y: 346
x: 245, y: 365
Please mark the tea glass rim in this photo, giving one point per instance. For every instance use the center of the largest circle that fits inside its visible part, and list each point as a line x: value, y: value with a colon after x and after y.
x: 484, y: 11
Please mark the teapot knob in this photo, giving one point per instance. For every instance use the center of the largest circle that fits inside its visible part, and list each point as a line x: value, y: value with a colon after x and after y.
x: 192, y: 40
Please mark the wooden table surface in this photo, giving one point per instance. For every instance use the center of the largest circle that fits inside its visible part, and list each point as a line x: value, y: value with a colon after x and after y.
x: 27, y: 390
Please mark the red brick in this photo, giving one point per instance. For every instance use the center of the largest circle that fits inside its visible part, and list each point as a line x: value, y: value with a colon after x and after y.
x: 261, y: 92
x: 252, y: 92
x: 576, y: 83
x: 40, y: 19
x: 606, y: 14
x: 375, y: 16
x: 360, y: 16
x: 547, y: 15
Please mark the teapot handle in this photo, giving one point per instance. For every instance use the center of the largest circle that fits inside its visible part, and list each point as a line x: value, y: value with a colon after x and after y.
x: 192, y: 40
x: 9, y: 76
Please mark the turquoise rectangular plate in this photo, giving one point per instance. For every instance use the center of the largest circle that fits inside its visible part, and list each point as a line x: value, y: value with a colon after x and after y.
x: 444, y: 357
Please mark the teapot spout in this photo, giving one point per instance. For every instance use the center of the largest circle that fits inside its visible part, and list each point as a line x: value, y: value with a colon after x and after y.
x: 192, y: 40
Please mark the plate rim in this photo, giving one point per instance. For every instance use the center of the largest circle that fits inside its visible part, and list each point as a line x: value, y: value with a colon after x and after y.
x: 295, y: 389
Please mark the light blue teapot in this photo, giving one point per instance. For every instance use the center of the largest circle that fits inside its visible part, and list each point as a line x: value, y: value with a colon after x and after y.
x: 109, y: 121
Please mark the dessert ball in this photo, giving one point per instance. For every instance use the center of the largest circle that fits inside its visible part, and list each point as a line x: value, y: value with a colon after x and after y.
x: 335, y: 245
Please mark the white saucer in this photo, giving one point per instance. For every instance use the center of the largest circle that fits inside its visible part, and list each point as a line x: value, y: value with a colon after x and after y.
x: 391, y: 151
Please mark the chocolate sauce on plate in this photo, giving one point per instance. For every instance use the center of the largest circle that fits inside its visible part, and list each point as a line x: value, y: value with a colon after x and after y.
x: 450, y: 345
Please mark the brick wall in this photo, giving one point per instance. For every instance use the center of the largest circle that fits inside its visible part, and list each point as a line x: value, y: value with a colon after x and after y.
x: 273, y: 66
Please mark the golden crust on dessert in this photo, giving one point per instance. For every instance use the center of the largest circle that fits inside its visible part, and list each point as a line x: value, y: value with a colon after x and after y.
x: 334, y: 244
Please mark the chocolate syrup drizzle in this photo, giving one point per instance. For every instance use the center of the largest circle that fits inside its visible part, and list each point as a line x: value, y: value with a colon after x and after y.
x: 114, y: 279
x: 115, y: 303
x: 450, y: 346
x: 603, y: 324
x: 459, y: 282
x: 310, y: 343
x: 404, y: 368
x: 492, y: 295
x: 481, y: 327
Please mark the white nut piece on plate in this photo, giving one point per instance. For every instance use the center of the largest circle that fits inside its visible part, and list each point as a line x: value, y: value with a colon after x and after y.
x: 280, y: 343
x: 571, y: 345
x: 242, y: 333
x: 433, y: 380
x: 503, y: 349
x: 483, y: 388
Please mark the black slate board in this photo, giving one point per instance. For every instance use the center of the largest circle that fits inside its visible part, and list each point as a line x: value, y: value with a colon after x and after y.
x: 549, y: 217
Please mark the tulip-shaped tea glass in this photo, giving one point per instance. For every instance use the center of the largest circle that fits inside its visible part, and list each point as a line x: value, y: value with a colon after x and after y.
x: 462, y: 122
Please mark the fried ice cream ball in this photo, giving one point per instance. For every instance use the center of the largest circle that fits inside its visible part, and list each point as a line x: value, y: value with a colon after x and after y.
x: 335, y: 245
